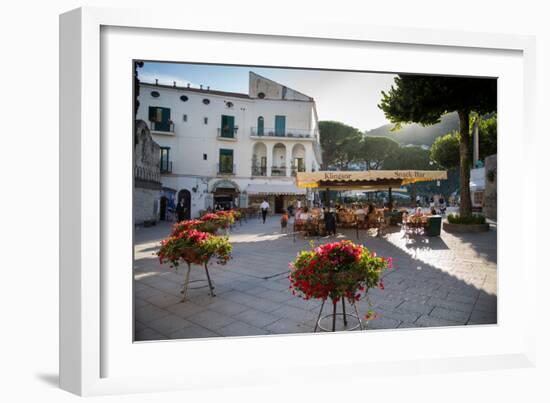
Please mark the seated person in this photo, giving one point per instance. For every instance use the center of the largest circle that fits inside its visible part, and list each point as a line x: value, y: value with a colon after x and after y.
x: 372, y: 215
x: 304, y: 214
x: 359, y: 210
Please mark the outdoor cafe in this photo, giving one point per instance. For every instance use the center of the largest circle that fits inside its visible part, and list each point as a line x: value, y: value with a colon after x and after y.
x: 319, y: 221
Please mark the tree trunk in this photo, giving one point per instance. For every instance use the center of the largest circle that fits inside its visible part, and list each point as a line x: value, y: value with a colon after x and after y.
x: 465, y: 164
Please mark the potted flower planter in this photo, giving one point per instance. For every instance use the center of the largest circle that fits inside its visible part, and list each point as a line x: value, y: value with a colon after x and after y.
x: 337, y: 272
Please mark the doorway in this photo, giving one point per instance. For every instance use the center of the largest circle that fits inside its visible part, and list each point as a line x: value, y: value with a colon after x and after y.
x: 185, y: 195
x: 279, y: 204
x: 163, y: 203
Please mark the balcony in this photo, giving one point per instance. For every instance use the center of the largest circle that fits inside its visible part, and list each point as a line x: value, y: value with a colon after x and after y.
x: 258, y: 170
x: 146, y: 174
x: 226, y: 169
x: 227, y: 134
x: 295, y: 169
x: 278, y: 171
x: 165, y: 167
x: 166, y: 128
x: 298, y: 134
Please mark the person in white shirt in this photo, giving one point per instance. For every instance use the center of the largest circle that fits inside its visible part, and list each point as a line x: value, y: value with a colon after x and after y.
x: 264, y: 207
x: 298, y: 204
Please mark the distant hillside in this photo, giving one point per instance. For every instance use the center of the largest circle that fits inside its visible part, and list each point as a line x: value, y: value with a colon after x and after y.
x: 417, y: 134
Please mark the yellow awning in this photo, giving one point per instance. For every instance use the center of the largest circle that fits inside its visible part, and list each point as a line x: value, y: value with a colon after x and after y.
x: 374, y: 179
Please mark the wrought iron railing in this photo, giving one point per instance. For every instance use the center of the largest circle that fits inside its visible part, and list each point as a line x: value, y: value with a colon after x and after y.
x: 278, y: 171
x: 228, y: 133
x: 165, y: 167
x: 223, y: 169
x: 272, y: 132
x: 167, y: 127
x: 258, y: 170
x: 295, y: 169
x: 146, y: 174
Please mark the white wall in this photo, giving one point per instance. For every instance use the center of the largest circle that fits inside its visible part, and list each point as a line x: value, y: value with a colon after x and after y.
x: 193, y: 138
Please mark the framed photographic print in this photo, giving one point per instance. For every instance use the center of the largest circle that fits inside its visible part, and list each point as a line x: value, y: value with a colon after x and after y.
x: 265, y: 197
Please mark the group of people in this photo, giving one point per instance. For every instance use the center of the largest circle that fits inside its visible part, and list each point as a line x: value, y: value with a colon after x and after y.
x: 289, y: 212
x: 437, y: 204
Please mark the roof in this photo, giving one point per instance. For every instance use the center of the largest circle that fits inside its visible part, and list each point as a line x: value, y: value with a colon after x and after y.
x: 274, y: 189
x: 310, y: 99
x: 373, y: 179
x: 198, y: 90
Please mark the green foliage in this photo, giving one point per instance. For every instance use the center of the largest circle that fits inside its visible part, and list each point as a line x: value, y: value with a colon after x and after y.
x: 193, y: 246
x: 424, y: 99
x: 339, y: 143
x: 409, y: 158
x: 446, y: 150
x: 375, y: 152
x: 488, y: 137
x: 471, y: 219
x: 337, y: 270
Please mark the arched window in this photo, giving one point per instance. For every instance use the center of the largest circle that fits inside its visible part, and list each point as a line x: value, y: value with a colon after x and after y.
x: 260, y: 126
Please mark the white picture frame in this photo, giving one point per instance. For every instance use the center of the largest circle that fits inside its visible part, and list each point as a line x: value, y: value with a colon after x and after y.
x: 96, y: 354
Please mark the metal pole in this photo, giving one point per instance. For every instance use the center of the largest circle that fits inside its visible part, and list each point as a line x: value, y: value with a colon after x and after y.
x: 358, y: 317
x: 344, y: 312
x: 186, y: 283
x: 333, y: 315
x: 319, y: 316
x: 209, y: 281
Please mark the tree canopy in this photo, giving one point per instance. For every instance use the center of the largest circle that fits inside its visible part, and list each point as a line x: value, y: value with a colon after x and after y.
x: 338, y: 143
x: 424, y: 99
x: 375, y: 152
x: 446, y: 150
x: 488, y: 137
x: 413, y: 157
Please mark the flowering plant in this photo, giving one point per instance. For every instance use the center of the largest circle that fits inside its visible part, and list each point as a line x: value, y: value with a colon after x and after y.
x: 204, y: 226
x: 337, y: 270
x: 221, y: 219
x: 194, y: 246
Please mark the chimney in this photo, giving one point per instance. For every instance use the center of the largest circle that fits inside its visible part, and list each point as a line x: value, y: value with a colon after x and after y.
x: 188, y: 85
x: 156, y: 81
x: 201, y: 86
x: 208, y: 88
x: 174, y: 83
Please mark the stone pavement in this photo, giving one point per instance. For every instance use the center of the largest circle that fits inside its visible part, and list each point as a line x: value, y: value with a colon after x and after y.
x: 442, y: 281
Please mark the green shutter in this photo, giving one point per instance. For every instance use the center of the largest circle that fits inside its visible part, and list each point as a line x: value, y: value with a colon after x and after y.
x: 280, y: 125
x: 228, y: 126
x: 161, y: 117
x: 260, y: 131
x: 226, y: 161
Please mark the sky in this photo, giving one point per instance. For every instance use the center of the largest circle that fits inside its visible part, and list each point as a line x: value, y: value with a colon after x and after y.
x: 348, y: 97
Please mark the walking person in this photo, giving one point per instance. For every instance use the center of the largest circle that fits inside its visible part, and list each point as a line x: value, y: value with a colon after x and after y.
x: 284, y: 221
x: 264, y: 207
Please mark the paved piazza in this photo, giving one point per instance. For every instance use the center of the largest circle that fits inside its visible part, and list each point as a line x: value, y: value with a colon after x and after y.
x: 441, y: 281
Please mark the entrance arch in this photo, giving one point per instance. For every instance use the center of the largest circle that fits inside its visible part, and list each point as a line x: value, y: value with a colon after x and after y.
x: 185, y: 195
x: 226, y: 194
